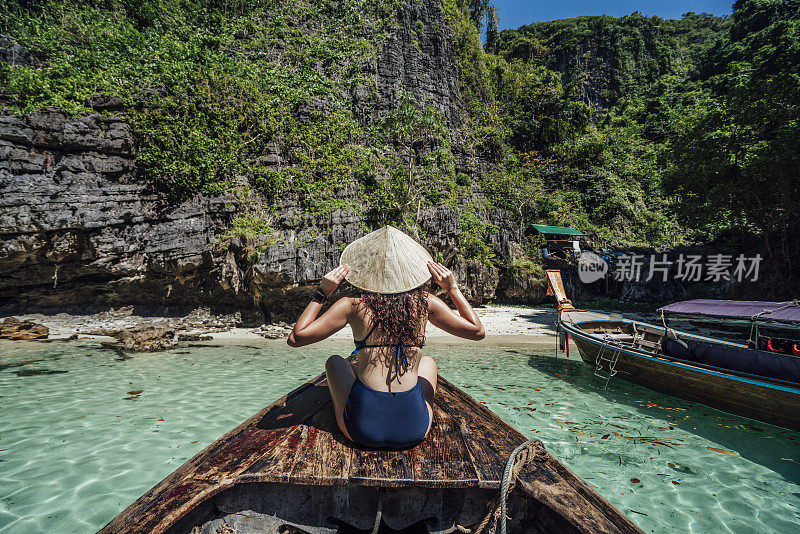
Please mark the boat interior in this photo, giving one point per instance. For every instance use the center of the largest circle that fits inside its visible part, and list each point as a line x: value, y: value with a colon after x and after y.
x: 281, y: 508
x: 626, y: 333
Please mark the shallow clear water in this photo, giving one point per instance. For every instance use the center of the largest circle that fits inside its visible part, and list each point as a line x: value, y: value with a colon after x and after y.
x: 76, y: 446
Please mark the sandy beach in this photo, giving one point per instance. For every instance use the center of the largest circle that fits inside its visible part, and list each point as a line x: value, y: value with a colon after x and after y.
x: 533, y: 324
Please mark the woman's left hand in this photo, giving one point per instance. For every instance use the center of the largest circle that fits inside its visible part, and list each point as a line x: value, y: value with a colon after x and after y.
x: 332, y: 280
x: 442, y: 276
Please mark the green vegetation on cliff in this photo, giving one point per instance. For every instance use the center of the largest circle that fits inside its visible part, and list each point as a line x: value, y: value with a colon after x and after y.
x: 647, y: 130
x: 662, y: 131
x: 736, y: 163
x: 210, y: 86
x: 535, y: 96
x: 250, y: 97
x: 639, y: 129
x: 610, y: 59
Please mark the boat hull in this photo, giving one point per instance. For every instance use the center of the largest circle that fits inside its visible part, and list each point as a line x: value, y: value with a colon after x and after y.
x: 279, y: 508
x: 289, y: 470
x: 761, y: 400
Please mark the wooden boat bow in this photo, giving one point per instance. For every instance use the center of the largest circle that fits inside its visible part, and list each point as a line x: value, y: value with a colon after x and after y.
x: 295, y: 445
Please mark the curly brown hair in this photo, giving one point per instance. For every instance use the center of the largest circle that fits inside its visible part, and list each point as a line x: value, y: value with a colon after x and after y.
x: 398, y: 318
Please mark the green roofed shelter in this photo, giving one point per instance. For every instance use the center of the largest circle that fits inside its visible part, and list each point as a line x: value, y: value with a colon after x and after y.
x: 557, y: 230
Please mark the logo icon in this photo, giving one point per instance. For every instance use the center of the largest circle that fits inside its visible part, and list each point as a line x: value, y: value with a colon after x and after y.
x: 591, y: 267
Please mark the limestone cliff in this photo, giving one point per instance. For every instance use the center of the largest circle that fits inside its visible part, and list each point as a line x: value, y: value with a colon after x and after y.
x: 81, y: 231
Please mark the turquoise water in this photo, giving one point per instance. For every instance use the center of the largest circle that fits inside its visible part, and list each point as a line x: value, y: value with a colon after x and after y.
x: 84, y: 432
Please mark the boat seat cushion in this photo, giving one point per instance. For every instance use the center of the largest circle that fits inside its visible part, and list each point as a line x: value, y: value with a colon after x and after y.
x: 741, y: 359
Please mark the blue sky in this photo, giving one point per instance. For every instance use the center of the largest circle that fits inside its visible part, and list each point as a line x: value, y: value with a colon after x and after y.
x: 516, y: 13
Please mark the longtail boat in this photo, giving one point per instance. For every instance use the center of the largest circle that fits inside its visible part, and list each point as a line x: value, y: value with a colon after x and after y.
x: 734, y: 377
x: 288, y: 469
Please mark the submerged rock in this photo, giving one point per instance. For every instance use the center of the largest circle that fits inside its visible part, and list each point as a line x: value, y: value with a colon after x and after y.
x: 194, y: 337
x: 680, y: 468
x: 38, y: 372
x: 13, y: 328
x: 275, y: 331
x: 143, y: 339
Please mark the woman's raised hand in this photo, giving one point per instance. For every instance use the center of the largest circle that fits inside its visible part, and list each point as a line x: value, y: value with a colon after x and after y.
x: 442, y: 276
x: 332, y: 280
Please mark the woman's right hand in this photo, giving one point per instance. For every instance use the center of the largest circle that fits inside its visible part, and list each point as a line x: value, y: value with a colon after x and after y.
x: 332, y: 279
x: 442, y: 276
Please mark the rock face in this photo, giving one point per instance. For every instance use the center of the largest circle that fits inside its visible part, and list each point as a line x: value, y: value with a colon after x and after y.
x: 418, y: 58
x: 14, y: 53
x: 13, y: 328
x: 81, y: 233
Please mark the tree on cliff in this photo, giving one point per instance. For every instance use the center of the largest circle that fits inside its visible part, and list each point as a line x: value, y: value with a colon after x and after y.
x: 492, y: 31
x: 422, y: 136
x: 477, y: 10
x: 738, y: 162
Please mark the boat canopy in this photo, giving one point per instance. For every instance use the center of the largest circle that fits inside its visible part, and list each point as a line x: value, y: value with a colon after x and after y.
x: 781, y: 312
x: 557, y: 230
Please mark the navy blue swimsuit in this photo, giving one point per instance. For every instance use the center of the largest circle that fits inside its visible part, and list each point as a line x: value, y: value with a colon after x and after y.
x: 383, y: 419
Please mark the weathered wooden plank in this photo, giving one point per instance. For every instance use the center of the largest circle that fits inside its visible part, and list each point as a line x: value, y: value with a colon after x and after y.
x: 270, y: 444
x: 327, y: 456
x: 298, y: 410
x: 488, y: 439
x: 276, y: 460
x: 389, y: 468
x: 275, y: 463
x: 443, y: 459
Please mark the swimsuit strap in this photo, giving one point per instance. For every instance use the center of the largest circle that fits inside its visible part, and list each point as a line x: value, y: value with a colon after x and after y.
x: 363, y: 343
x: 399, y: 355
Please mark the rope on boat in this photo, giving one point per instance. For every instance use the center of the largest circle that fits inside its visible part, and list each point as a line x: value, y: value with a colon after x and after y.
x: 512, y: 460
x: 795, y: 302
x: 379, y: 513
x: 535, y: 451
x: 494, y: 509
x: 750, y: 341
x: 512, y: 469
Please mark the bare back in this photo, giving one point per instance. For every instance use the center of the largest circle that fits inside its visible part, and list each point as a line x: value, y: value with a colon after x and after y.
x: 377, y: 366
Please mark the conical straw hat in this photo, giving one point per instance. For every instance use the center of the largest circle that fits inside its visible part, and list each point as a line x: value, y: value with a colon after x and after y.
x: 386, y: 261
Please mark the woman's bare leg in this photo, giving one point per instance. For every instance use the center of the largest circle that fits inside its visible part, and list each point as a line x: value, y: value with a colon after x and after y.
x: 341, y: 377
x: 427, y: 374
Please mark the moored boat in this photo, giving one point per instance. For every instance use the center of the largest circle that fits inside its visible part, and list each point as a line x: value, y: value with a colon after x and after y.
x: 725, y: 375
x: 289, y: 469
